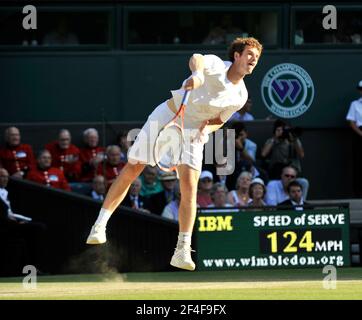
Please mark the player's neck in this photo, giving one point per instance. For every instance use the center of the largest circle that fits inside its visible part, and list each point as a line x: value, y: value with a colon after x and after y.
x: 234, y: 75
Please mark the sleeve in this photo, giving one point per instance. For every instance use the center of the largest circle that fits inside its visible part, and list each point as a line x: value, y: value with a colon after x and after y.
x: 351, y: 115
x: 251, y: 149
x: 269, y: 141
x: 213, y: 64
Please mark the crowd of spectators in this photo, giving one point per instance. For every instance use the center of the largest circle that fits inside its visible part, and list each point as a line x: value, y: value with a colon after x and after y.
x: 90, y: 169
x: 354, y: 118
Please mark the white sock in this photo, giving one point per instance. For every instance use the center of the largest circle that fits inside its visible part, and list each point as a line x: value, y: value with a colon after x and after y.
x: 184, y: 239
x: 103, y: 217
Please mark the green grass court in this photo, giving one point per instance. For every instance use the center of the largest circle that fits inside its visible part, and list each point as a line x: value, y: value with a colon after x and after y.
x: 233, y: 285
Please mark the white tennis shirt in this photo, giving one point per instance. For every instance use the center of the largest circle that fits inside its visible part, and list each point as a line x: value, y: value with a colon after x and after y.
x: 216, y: 97
x: 355, y: 112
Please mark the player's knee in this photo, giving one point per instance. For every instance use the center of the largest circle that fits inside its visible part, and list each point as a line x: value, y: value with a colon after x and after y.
x: 132, y: 171
x: 188, y: 193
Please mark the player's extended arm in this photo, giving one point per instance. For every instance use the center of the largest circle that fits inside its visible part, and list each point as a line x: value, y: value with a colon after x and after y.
x: 207, y: 127
x: 196, y: 64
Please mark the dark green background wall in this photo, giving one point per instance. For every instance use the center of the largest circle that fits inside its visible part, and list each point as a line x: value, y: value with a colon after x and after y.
x: 63, y: 86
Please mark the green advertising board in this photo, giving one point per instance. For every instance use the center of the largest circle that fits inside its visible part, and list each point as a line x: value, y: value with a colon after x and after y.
x: 234, y: 239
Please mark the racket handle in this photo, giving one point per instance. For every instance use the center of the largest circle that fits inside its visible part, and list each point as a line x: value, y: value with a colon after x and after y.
x: 185, y: 97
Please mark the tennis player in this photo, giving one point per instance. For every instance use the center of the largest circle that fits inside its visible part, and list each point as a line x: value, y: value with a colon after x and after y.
x: 217, y: 91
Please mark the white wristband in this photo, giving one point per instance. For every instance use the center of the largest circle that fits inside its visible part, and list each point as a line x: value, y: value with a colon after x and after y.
x: 200, y: 75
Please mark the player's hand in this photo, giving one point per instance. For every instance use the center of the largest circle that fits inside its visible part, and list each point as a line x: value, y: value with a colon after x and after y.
x: 192, y: 83
x: 202, y: 135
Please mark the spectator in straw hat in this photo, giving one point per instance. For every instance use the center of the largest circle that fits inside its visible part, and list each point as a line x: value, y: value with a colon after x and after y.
x: 158, y: 201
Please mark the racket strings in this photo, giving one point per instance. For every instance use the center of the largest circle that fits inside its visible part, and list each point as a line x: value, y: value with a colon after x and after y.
x: 168, y: 147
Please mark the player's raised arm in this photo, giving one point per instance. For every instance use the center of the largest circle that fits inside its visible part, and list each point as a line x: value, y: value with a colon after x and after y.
x: 196, y: 64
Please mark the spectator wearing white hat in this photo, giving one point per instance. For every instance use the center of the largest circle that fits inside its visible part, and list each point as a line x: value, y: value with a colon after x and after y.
x: 354, y: 117
x: 257, y: 193
x: 204, y: 191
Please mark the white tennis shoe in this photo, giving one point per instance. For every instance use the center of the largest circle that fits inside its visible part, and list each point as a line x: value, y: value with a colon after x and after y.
x: 182, y: 259
x: 97, y: 235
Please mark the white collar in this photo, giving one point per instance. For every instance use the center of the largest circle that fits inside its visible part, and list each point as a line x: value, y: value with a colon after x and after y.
x: 297, y: 204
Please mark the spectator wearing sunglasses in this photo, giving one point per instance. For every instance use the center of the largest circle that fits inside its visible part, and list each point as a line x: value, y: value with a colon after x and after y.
x: 277, y: 190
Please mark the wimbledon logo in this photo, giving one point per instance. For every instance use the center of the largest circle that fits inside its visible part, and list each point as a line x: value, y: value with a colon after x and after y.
x: 287, y: 90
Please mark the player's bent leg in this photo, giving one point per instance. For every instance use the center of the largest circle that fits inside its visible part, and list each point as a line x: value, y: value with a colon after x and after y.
x: 115, y: 195
x: 120, y: 186
x: 187, y: 213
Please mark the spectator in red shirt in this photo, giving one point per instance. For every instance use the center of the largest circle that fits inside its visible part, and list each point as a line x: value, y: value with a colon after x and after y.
x: 17, y: 158
x: 112, y: 166
x: 47, y: 175
x: 65, y: 156
x: 91, y: 155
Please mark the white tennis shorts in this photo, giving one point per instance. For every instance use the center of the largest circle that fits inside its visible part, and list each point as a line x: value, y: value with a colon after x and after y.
x: 142, y: 149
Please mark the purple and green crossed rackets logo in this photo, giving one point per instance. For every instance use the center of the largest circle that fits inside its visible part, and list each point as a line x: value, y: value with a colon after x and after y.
x: 287, y: 90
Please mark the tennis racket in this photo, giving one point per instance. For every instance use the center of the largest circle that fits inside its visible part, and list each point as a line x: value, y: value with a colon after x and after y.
x: 170, y: 141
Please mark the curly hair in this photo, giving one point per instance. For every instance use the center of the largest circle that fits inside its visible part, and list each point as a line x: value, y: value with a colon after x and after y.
x: 239, y: 44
